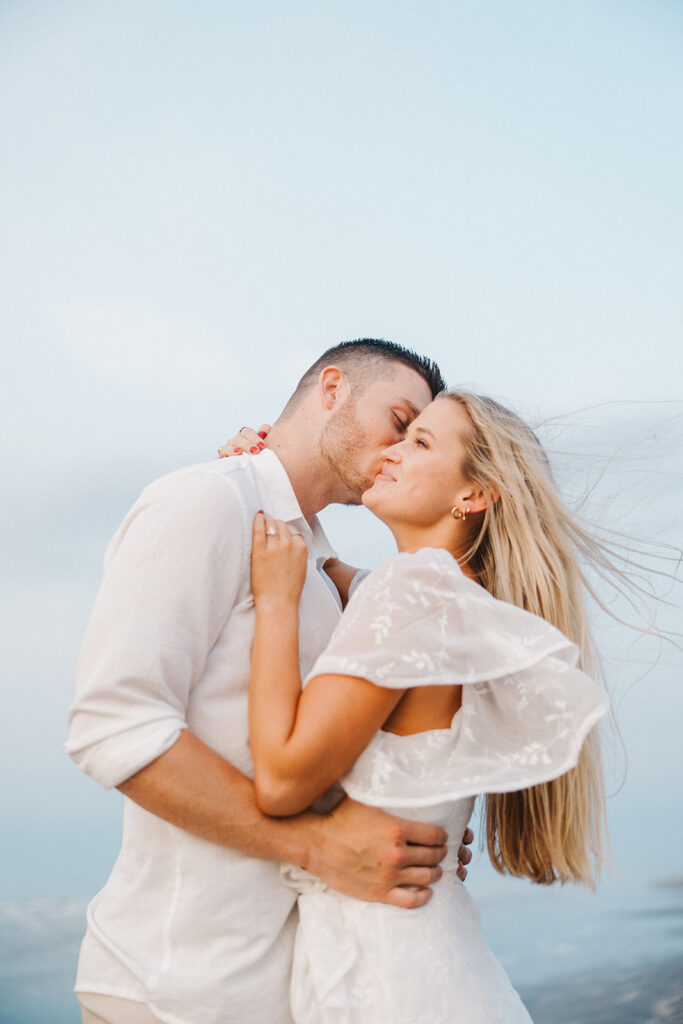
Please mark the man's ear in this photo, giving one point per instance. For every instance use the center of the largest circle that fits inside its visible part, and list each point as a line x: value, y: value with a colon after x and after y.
x: 331, y: 385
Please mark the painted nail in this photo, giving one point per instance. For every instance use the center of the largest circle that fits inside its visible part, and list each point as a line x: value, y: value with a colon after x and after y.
x: 262, y: 434
x: 253, y: 450
x: 237, y: 451
x: 261, y: 446
x: 260, y: 512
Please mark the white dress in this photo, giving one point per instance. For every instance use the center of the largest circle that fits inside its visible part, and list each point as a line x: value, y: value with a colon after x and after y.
x: 525, y: 712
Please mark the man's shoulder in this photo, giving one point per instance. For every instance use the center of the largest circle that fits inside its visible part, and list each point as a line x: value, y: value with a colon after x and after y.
x: 193, y: 506
x: 221, y: 480
x: 203, y: 498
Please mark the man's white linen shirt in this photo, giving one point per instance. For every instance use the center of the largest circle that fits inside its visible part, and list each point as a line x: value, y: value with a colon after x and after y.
x: 201, y: 933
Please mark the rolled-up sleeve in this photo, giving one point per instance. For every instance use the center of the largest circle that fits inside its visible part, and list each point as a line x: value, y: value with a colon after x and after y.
x: 171, y: 577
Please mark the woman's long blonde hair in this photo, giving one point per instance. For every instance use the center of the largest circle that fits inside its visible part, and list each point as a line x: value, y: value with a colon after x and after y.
x: 525, y: 549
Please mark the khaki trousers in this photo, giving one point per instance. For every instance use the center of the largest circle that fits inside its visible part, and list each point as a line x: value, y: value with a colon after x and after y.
x: 97, y: 1009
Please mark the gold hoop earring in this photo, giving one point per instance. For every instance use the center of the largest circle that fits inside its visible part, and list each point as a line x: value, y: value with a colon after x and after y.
x: 458, y: 513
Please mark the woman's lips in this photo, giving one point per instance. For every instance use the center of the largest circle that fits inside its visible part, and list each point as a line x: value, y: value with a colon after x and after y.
x: 385, y: 476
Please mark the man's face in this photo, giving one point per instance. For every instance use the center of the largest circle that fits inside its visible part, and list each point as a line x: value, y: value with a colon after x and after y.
x: 366, y: 424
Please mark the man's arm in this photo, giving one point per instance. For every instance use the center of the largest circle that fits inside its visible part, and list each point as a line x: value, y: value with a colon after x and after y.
x: 358, y: 850
x: 171, y: 578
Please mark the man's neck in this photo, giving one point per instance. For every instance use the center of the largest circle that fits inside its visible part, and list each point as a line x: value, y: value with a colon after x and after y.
x: 313, y: 481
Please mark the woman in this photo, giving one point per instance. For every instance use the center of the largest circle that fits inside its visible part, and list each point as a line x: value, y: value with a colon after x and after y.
x: 437, y: 685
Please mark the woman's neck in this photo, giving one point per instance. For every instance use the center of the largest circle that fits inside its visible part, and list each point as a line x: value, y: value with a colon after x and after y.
x: 444, y: 536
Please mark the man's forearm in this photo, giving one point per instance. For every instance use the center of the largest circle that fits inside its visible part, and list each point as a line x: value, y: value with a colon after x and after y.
x: 357, y: 850
x: 194, y: 788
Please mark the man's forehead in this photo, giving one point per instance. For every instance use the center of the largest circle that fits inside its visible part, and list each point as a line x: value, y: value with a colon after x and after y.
x: 408, y: 388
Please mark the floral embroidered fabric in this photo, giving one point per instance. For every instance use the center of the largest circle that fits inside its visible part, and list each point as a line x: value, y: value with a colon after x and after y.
x: 526, y: 708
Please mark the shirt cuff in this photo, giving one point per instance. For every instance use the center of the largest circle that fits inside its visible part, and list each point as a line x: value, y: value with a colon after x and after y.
x: 110, y: 760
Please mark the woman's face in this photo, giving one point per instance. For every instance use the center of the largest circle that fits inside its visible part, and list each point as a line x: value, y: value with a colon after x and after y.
x: 421, y: 478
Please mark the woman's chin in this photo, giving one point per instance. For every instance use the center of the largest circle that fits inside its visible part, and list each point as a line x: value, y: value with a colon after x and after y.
x: 366, y: 497
x: 369, y: 499
x: 373, y: 503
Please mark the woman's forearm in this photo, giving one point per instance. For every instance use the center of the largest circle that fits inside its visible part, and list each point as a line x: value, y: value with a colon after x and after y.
x: 274, y: 689
x: 301, y: 742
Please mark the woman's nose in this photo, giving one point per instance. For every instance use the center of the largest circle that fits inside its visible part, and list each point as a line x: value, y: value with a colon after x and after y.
x: 392, y: 453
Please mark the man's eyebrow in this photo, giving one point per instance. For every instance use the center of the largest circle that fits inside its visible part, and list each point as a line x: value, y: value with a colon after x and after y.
x: 410, y: 406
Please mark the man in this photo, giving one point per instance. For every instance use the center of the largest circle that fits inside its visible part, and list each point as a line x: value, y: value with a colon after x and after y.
x: 194, y: 925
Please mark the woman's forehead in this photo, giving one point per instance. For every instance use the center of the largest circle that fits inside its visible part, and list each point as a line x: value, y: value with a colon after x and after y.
x: 444, y: 414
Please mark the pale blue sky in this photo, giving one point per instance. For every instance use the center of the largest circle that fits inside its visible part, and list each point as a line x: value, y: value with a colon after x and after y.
x: 197, y: 198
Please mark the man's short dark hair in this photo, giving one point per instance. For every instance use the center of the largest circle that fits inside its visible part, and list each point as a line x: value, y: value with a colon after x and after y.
x: 366, y: 358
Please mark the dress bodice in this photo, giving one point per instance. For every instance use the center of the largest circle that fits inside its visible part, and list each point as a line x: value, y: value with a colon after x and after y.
x: 420, y: 758
x: 526, y: 707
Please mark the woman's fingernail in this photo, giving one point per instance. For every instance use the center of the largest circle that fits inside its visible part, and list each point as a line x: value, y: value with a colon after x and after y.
x: 260, y: 512
x: 237, y: 451
x: 262, y: 434
x: 261, y: 446
x: 253, y: 450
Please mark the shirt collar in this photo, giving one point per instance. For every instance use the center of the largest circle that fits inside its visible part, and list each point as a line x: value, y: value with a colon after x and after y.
x: 275, y: 491
x: 278, y: 498
x: 323, y: 548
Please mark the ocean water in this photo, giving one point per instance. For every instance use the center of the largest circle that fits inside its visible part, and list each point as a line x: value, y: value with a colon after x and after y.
x: 39, y: 942
x: 614, y: 957
x: 543, y: 934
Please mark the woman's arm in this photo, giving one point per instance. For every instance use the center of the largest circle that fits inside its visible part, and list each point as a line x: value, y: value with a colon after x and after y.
x: 301, y: 742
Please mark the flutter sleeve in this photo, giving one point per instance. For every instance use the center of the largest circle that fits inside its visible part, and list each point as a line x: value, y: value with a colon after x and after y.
x: 526, y: 707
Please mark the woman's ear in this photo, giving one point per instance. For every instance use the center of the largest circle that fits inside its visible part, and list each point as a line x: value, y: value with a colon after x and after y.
x: 476, y: 499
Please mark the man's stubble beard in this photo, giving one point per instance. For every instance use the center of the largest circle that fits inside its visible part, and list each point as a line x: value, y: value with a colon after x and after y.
x: 342, y: 443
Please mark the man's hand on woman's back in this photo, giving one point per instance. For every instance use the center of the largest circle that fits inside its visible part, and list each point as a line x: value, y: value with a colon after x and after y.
x: 370, y: 855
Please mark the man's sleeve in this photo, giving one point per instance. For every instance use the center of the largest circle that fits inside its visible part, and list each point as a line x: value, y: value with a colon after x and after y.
x: 171, y: 577
x: 361, y: 575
